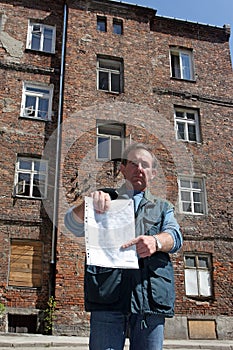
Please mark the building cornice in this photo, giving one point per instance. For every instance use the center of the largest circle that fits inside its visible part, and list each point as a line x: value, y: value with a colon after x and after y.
x: 194, y: 97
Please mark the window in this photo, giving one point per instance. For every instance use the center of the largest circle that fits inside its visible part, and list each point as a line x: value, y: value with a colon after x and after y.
x: 117, y: 26
x: 110, y: 140
x: 37, y: 101
x: 25, y: 264
x: 18, y: 323
x: 198, y: 280
x: 181, y: 64
x: 192, y: 198
x: 31, y: 178
x: 101, y: 24
x: 187, y: 125
x: 109, y: 75
x: 41, y: 37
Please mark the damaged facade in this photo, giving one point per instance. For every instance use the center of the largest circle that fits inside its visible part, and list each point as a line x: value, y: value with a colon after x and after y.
x: 80, y: 81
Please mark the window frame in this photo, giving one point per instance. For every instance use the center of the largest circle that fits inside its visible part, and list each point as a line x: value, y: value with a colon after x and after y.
x: 118, y: 22
x: 187, y: 122
x: 32, y: 173
x: 200, y: 191
x: 43, y: 27
x: 200, y: 270
x: 110, y: 72
x: 177, y: 69
x: 30, y: 277
x: 113, y: 126
x: 101, y: 19
x: 39, y: 96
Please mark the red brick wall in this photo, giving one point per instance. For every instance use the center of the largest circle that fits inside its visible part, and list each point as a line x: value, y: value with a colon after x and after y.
x: 24, y: 218
x: 147, y: 108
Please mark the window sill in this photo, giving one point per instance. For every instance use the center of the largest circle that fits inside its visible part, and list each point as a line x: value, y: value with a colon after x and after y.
x: 110, y: 92
x: 200, y: 299
x: 191, y: 142
x: 12, y: 287
x: 185, y: 80
x: 35, y: 118
x: 18, y: 196
x: 201, y: 215
x: 38, y: 52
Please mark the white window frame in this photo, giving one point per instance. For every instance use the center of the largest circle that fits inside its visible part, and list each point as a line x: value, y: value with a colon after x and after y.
x: 110, y: 72
x: 195, y: 188
x: 187, y: 122
x: 198, y: 278
x: 110, y: 135
x: 180, y: 70
x: 20, y: 186
x: 39, y: 29
x: 38, y: 92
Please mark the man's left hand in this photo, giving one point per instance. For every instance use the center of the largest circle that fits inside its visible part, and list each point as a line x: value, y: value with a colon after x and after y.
x: 145, y: 245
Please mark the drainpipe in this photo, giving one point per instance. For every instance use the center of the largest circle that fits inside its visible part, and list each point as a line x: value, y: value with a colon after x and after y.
x: 58, y: 149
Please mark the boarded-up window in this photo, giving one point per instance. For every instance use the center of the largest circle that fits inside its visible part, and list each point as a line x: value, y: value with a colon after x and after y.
x: 202, y: 329
x: 26, y: 264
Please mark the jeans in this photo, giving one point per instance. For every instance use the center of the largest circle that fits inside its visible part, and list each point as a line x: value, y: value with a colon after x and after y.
x: 108, y: 331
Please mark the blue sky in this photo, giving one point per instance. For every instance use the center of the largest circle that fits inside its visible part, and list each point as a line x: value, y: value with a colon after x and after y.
x: 212, y: 12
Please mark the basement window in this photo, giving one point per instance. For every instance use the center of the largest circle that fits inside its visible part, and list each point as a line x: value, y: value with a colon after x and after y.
x: 25, y: 264
x: 198, y: 277
x: 41, y: 37
x: 22, y: 323
x: 202, y: 329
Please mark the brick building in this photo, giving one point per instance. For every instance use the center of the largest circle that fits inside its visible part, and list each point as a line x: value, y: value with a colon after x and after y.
x: 80, y: 80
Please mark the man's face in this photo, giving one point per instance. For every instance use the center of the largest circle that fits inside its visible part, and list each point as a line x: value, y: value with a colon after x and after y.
x: 138, y: 170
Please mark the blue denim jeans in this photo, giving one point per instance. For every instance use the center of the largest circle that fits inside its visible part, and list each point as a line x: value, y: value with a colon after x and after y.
x: 108, y: 331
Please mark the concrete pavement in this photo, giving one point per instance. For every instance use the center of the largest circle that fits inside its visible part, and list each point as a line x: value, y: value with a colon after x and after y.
x: 40, y: 342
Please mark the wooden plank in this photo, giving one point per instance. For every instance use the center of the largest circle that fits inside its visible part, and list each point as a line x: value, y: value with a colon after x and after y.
x: 202, y: 329
x: 26, y: 264
x: 24, y: 243
x: 21, y: 251
x: 26, y: 260
x: 26, y: 284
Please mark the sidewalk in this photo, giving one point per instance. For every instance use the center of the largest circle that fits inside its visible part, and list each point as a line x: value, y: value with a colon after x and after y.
x: 8, y: 340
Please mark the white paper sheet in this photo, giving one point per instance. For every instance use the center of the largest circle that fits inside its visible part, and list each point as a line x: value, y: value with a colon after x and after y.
x: 106, y: 233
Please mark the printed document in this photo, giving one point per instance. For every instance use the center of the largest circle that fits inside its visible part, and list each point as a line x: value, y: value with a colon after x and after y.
x: 105, y: 233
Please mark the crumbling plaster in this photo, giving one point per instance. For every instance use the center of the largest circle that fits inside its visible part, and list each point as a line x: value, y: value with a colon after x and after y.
x: 11, y: 45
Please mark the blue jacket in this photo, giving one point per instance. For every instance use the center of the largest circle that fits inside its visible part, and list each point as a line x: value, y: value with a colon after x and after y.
x: 150, y: 289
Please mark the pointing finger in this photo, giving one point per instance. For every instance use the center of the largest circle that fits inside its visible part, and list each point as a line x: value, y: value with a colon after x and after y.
x: 130, y: 243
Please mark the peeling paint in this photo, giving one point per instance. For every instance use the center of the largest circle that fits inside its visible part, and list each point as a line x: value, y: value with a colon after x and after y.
x: 11, y: 45
x: 9, y: 105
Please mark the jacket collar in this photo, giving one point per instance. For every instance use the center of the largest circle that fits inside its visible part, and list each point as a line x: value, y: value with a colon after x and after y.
x: 122, y: 191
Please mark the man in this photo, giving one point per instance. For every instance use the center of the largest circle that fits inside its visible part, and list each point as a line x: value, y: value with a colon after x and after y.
x: 124, y: 300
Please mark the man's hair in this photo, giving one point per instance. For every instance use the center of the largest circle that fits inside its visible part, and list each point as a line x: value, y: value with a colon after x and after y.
x: 135, y: 146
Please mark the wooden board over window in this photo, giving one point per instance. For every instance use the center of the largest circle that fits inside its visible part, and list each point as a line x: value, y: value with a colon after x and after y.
x: 202, y: 329
x: 26, y: 263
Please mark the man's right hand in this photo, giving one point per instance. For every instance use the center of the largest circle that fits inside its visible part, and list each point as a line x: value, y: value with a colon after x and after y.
x: 101, y: 201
